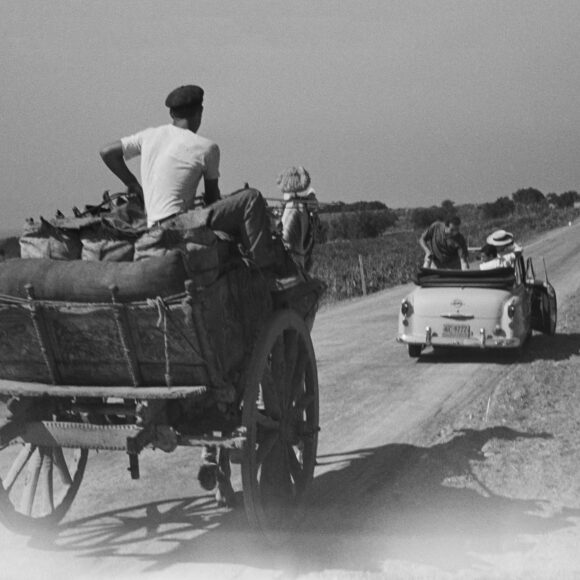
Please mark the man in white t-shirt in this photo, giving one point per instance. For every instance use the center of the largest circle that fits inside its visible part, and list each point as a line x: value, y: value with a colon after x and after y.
x: 174, y: 159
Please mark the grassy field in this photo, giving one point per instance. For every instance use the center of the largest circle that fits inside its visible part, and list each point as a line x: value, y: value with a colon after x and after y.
x: 393, y: 258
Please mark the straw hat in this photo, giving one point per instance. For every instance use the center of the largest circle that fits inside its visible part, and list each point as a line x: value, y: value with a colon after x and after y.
x: 293, y: 180
x: 500, y: 239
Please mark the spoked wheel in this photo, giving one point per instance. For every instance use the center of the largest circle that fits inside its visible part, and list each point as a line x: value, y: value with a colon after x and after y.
x: 38, y: 484
x: 280, y: 415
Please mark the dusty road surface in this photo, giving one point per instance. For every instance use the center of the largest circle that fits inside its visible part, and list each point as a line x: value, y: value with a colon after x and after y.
x: 443, y: 467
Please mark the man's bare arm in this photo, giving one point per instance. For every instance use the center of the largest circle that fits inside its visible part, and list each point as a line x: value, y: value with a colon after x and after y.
x: 112, y: 155
x: 423, y: 243
x: 212, y: 191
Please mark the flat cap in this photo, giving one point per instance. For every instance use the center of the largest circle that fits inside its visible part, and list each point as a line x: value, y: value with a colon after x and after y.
x: 184, y: 96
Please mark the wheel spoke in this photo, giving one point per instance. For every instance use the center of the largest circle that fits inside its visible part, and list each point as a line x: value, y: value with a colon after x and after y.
x: 278, y: 367
x: 265, y: 447
x: 305, y: 401
x: 295, y: 467
x: 297, y: 385
x: 291, y: 357
x: 267, y: 422
x: 270, y: 394
x: 61, y: 467
x: 18, y: 465
x: 275, y: 483
x: 31, y: 484
x: 46, y: 481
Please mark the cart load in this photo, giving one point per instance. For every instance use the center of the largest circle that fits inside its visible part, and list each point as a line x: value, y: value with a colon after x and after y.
x: 187, y: 346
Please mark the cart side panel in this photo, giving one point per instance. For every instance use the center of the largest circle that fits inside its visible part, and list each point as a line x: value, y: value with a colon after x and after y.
x: 166, y: 342
x: 84, y: 345
x: 201, y: 337
x: 20, y: 355
x: 233, y: 311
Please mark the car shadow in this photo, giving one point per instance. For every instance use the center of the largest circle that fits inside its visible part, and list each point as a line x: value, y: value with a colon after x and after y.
x: 558, y: 347
x: 420, y: 506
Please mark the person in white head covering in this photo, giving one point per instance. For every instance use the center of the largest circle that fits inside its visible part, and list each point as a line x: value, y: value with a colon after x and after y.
x: 300, y: 204
x: 506, y: 248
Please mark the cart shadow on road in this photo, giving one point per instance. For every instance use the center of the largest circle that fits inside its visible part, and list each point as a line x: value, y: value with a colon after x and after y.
x: 423, y: 506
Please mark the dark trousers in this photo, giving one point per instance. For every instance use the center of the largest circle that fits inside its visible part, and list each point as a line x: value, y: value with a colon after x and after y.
x: 243, y: 215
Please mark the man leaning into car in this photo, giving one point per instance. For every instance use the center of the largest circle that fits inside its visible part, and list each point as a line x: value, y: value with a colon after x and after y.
x: 444, y: 245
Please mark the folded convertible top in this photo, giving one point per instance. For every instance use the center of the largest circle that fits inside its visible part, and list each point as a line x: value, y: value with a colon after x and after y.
x: 501, y: 278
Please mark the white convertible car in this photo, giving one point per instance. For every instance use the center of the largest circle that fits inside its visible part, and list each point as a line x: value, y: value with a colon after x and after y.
x: 481, y: 309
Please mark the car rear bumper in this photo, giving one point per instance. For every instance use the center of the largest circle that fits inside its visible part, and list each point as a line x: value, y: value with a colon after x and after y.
x: 473, y: 342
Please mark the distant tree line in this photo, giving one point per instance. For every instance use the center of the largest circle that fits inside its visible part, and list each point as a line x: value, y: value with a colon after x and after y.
x: 528, y: 198
x: 341, y: 207
x: 370, y: 219
x: 566, y: 199
x: 423, y: 217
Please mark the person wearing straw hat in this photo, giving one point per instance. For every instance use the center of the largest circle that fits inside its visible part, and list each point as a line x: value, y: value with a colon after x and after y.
x: 506, y: 249
x: 300, y: 204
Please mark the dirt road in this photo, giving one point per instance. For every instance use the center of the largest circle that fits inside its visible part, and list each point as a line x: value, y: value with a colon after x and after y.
x: 396, y: 494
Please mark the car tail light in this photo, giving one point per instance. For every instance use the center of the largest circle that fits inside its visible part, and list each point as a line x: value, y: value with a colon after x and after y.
x: 511, y: 310
x: 405, y: 308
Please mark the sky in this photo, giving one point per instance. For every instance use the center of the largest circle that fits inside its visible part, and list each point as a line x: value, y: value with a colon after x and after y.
x: 409, y: 102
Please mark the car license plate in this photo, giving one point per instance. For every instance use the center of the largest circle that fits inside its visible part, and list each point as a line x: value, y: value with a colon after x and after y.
x: 456, y: 330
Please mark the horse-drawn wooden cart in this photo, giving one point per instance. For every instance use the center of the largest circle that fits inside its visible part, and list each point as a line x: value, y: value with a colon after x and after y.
x: 229, y: 365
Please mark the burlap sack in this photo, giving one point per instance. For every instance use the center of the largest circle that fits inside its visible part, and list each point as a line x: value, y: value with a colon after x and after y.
x: 188, y: 234
x: 84, y: 281
x: 40, y: 239
x: 103, y: 244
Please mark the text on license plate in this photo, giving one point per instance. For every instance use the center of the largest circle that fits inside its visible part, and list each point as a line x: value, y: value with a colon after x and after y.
x: 456, y: 330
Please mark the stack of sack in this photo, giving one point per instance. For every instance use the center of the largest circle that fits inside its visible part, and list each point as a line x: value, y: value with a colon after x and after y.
x: 120, y: 234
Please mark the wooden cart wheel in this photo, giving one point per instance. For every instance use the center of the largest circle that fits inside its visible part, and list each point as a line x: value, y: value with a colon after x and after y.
x: 280, y: 415
x: 38, y: 484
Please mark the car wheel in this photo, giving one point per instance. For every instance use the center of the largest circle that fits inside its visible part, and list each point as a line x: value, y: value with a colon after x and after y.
x: 415, y: 350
